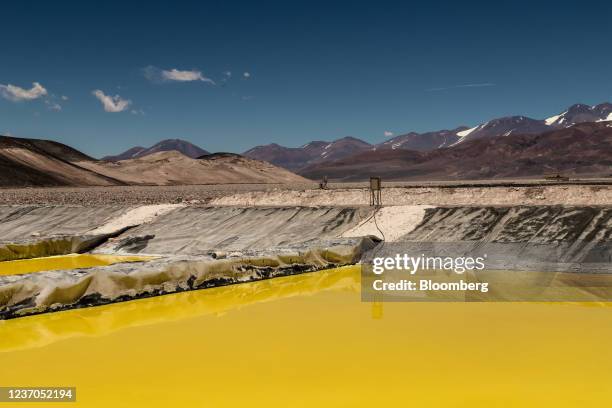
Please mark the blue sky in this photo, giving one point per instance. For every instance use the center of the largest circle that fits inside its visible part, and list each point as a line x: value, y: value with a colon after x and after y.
x: 316, y: 70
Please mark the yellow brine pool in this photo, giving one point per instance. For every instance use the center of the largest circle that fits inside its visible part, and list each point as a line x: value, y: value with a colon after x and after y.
x: 62, y: 262
x: 308, y: 340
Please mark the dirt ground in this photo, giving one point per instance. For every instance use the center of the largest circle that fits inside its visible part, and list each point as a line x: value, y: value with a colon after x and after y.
x: 592, y: 192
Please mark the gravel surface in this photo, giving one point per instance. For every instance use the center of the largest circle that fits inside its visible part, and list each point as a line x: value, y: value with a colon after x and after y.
x: 578, y: 192
x: 131, y: 195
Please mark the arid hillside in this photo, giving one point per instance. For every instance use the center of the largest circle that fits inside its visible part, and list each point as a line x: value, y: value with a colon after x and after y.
x: 168, y: 168
x: 42, y: 163
x: 32, y: 162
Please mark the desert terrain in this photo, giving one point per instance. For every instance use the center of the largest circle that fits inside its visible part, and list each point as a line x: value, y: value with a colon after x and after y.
x: 197, y: 237
x: 43, y: 163
x: 535, y: 196
x: 472, y: 192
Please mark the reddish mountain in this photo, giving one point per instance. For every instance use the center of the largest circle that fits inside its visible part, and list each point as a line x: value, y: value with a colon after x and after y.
x: 294, y: 158
x: 423, y: 142
x: 505, y: 126
x: 511, y: 125
x: 581, y: 150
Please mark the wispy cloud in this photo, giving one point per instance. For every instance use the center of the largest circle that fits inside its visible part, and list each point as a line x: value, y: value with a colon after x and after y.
x: 159, y: 75
x: 475, y: 85
x: 17, y: 94
x: 112, y: 103
x: 388, y: 133
x: 54, y: 106
x: 246, y: 75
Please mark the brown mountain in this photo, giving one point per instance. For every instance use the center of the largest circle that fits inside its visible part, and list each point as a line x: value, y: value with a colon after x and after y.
x: 581, y: 150
x: 182, y: 146
x: 43, y: 163
x: 131, y: 153
x: 174, y: 168
x: 294, y: 158
x: 34, y: 162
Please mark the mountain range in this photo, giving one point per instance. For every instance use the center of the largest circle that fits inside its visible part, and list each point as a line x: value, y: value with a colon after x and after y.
x: 295, y: 158
x: 576, y: 142
x: 581, y: 150
x: 168, y: 145
x: 43, y: 163
x: 312, y: 153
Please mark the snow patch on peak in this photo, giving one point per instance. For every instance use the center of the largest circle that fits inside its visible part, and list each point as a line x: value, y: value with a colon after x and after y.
x: 466, y: 132
x: 608, y: 119
x: 553, y: 119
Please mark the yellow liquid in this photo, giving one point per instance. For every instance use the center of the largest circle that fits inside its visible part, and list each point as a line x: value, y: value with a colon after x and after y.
x: 72, y: 261
x: 307, y: 341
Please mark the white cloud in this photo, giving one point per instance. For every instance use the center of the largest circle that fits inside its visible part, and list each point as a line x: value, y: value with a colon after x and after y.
x: 388, y: 133
x: 228, y: 74
x: 16, y: 94
x: 64, y: 98
x: 137, y: 112
x: 158, y: 75
x: 112, y: 103
x: 185, y: 76
x: 246, y: 75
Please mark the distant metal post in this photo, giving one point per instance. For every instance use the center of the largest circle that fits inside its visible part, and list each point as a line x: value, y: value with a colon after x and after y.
x: 323, y: 184
x: 375, y: 187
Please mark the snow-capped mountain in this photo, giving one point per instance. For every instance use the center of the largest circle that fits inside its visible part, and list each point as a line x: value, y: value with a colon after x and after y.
x: 423, y: 142
x: 504, y: 126
x: 316, y: 152
x: 582, y: 150
x: 581, y: 113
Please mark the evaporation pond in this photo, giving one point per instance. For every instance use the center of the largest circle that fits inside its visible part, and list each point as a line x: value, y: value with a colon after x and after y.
x: 72, y: 261
x: 308, y: 341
